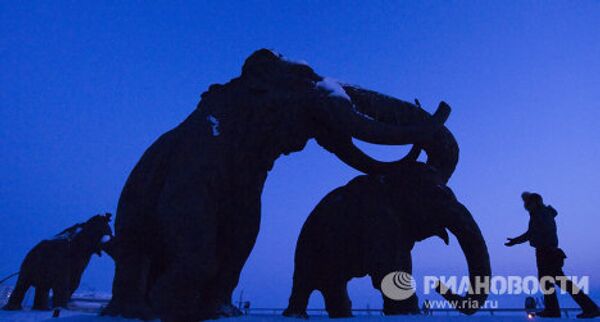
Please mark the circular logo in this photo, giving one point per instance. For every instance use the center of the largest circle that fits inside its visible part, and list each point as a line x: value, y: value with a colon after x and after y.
x: 398, y: 286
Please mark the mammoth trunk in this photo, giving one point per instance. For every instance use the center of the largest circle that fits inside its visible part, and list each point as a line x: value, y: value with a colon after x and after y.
x: 442, y: 153
x: 473, y: 246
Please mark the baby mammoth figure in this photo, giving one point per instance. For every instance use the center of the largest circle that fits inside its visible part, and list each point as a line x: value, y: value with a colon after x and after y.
x: 369, y: 227
x: 58, y: 263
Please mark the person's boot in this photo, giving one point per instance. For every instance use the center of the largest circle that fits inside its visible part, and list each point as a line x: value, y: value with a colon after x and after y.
x: 548, y: 314
x: 551, y: 307
x: 589, y: 314
x: 588, y: 307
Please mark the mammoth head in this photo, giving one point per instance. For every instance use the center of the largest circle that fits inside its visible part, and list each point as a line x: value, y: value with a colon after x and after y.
x: 97, y: 229
x: 334, y: 113
x: 431, y: 208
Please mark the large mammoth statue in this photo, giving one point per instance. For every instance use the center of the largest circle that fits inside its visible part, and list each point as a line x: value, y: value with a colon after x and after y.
x: 369, y: 227
x: 189, y: 213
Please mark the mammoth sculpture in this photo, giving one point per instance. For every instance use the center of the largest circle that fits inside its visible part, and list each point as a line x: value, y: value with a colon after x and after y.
x: 369, y: 227
x: 58, y: 263
x: 189, y: 213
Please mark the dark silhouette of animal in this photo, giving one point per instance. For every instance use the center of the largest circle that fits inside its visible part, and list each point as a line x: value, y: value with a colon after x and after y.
x: 369, y: 227
x: 57, y: 264
x: 189, y: 213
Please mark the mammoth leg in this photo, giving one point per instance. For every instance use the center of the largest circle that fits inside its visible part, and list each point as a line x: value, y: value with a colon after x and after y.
x: 299, y: 299
x: 129, y: 286
x: 156, y: 270
x: 402, y: 261
x: 17, y: 295
x: 337, y: 301
x: 74, y: 283
x: 237, y: 236
x: 129, y: 250
x: 189, y: 222
x: 60, y: 292
x: 40, y: 301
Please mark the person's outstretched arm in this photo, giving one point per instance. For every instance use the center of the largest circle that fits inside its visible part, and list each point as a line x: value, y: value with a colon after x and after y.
x: 517, y: 240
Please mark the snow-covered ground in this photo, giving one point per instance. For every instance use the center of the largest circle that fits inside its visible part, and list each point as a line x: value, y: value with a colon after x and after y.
x: 69, y: 316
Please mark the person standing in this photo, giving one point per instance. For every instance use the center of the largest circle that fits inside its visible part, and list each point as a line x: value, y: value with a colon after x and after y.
x: 542, y: 236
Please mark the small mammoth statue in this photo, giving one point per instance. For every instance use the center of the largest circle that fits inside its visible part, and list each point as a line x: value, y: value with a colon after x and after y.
x: 57, y: 264
x: 369, y: 227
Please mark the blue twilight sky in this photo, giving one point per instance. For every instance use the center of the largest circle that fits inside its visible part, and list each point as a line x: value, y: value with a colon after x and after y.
x: 86, y: 88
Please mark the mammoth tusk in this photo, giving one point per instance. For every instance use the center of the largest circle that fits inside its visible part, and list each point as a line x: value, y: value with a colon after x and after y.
x: 443, y: 234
